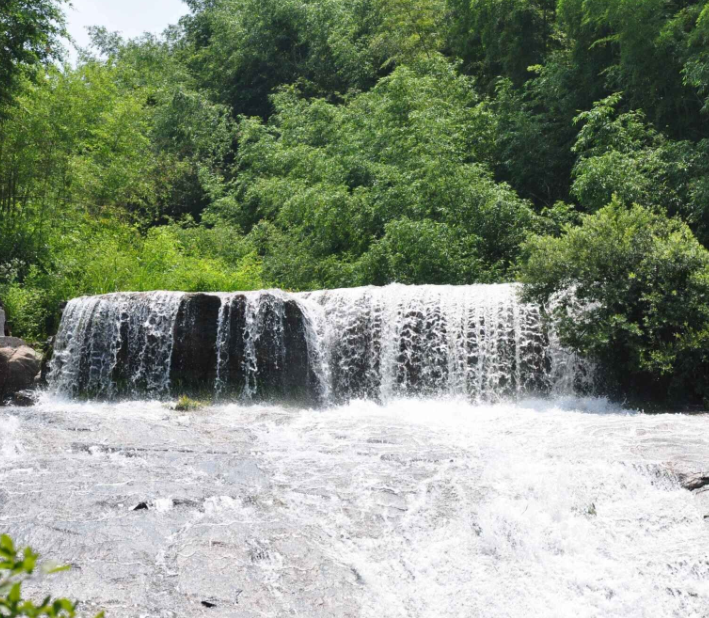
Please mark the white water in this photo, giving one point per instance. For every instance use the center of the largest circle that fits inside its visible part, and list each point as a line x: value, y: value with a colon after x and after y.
x: 86, y: 351
x: 476, y: 341
x: 417, y: 508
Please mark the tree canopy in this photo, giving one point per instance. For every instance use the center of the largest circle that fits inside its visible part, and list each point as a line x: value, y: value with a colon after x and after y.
x: 317, y: 143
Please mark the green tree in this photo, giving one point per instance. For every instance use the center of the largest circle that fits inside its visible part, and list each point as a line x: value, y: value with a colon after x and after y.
x: 622, y: 154
x: 340, y: 181
x: 243, y: 50
x: 630, y: 289
x: 502, y: 37
x: 30, y: 33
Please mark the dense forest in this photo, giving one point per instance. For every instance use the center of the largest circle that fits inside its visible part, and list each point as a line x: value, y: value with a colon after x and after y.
x: 331, y: 143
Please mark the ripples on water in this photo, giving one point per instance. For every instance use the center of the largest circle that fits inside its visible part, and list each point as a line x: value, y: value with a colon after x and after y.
x: 415, y: 509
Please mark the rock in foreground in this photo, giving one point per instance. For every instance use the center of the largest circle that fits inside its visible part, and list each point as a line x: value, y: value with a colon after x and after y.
x: 19, y: 366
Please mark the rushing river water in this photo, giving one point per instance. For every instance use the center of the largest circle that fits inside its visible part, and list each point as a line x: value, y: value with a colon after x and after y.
x: 418, y: 508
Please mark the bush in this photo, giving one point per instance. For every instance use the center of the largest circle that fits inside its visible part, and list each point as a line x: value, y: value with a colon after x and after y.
x: 185, y: 404
x: 112, y: 257
x: 641, y: 281
x: 18, y: 566
x: 395, y: 184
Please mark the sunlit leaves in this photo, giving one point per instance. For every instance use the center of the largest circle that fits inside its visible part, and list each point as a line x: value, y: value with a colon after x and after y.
x: 642, y: 282
x: 15, y: 567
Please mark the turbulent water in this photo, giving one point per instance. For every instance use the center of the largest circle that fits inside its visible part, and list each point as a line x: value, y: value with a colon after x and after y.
x: 475, y: 341
x: 413, y: 476
x: 417, y: 508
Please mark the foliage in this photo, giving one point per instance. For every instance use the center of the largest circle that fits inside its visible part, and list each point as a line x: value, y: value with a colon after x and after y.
x: 100, y: 259
x: 639, y: 301
x: 185, y: 404
x: 29, y: 35
x: 503, y: 37
x: 623, y: 155
x: 243, y: 50
x: 393, y: 185
x: 18, y: 566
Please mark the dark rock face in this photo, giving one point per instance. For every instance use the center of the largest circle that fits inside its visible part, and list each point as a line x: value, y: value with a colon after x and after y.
x: 19, y: 366
x: 253, y: 349
x: 285, y: 372
x: 194, y: 353
x: 23, y: 399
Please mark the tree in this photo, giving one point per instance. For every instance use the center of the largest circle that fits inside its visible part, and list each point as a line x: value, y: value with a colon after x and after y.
x: 243, y: 50
x: 30, y: 31
x: 345, y: 188
x: 630, y: 289
x: 502, y: 37
x: 622, y: 154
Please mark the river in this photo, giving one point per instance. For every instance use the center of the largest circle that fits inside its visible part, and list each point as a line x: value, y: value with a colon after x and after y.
x: 416, y: 508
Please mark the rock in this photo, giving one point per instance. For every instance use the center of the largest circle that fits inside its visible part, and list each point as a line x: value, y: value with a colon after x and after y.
x: 194, y: 353
x: 23, y: 399
x: 694, y: 481
x: 3, y: 322
x: 19, y: 366
x: 46, y: 362
x: 270, y: 336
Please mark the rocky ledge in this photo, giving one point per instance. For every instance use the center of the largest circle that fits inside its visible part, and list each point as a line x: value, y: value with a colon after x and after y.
x: 19, y: 368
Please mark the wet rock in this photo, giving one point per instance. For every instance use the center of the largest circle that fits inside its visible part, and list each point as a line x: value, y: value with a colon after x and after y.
x: 22, y: 399
x: 694, y: 481
x: 3, y: 322
x: 194, y: 353
x: 264, y: 353
x: 46, y: 362
x: 19, y: 366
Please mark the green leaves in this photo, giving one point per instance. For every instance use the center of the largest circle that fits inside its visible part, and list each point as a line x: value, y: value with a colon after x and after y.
x: 18, y: 565
x: 29, y: 35
x: 393, y: 185
x: 640, y: 284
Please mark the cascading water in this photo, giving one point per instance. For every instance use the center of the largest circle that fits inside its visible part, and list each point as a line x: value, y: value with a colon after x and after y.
x: 439, y: 503
x: 118, y: 344
x: 475, y: 341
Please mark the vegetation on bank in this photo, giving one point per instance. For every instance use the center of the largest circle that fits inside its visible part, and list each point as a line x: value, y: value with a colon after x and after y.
x: 629, y: 288
x: 185, y: 404
x: 320, y: 143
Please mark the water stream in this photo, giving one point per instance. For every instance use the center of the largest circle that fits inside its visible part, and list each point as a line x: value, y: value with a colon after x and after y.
x: 418, y: 508
x: 439, y: 461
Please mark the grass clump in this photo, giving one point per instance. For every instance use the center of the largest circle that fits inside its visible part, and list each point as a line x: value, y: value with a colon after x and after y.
x: 185, y: 404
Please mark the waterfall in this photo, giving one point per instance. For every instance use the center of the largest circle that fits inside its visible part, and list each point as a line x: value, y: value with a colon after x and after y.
x: 476, y: 341
x: 114, y: 345
x: 479, y: 342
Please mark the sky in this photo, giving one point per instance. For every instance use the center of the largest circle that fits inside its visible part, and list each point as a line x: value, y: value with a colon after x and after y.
x: 130, y: 17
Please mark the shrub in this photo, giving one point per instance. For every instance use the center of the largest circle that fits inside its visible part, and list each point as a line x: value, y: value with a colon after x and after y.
x: 18, y: 566
x: 185, y: 404
x: 642, y: 282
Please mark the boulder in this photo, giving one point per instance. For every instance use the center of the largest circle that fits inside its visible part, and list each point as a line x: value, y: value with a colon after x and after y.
x: 23, y: 399
x: 19, y: 366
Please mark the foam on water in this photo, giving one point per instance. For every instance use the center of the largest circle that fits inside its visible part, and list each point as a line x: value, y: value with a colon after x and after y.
x: 418, y: 508
x: 476, y: 341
